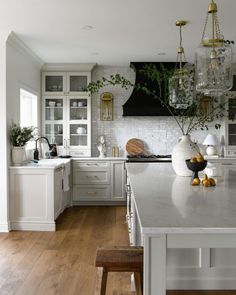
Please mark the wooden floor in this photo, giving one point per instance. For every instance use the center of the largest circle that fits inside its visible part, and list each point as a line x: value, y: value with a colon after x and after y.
x: 35, y: 263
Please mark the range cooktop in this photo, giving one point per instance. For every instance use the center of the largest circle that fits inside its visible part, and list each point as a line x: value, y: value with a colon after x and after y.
x: 149, y: 158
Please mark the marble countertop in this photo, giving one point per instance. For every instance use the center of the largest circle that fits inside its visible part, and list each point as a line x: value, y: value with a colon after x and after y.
x: 167, y: 203
x: 43, y: 164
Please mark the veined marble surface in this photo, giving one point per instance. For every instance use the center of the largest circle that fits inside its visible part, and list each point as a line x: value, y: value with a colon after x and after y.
x: 167, y: 203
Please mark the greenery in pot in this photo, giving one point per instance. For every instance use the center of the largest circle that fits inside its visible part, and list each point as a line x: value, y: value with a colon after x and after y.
x: 192, y: 118
x: 19, y: 136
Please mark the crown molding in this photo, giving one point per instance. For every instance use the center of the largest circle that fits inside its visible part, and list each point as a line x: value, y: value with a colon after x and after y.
x: 14, y: 41
x: 80, y: 67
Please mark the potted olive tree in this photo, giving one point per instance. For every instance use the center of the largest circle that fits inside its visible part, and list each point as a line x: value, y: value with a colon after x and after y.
x: 19, y: 136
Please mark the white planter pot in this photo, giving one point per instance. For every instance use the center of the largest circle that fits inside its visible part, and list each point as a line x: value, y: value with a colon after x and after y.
x: 183, y: 150
x: 18, y: 155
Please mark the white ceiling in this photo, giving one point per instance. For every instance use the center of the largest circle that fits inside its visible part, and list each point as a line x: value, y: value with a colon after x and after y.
x: 123, y: 30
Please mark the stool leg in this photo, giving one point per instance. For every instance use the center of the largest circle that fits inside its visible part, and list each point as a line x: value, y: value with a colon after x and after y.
x: 101, y: 282
x: 138, y: 277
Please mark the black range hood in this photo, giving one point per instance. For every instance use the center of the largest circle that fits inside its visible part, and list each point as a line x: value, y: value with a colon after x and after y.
x: 140, y: 103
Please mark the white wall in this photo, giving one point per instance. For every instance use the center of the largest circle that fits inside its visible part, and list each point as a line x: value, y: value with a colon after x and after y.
x: 160, y: 134
x: 3, y: 137
x: 18, y: 68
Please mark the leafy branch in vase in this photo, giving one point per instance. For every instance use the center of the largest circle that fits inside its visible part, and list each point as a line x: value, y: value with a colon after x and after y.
x: 192, y: 118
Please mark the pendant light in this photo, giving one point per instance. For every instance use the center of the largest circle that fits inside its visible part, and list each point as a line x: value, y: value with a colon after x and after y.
x: 181, y: 84
x: 213, y: 59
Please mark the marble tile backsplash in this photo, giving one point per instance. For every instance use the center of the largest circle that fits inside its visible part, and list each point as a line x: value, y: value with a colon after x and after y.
x: 159, y: 134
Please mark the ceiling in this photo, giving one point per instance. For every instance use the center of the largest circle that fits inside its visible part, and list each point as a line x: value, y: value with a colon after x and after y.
x: 122, y: 31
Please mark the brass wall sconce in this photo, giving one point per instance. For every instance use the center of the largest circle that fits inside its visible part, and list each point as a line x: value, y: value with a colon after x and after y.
x: 106, y: 106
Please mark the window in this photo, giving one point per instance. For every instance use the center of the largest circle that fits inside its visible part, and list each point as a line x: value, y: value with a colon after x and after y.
x: 28, y: 111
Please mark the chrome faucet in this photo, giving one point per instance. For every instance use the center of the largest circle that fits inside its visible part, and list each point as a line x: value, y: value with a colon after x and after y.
x: 36, y: 151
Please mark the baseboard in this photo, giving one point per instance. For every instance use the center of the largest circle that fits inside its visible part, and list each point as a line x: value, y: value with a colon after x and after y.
x: 33, y: 226
x: 4, y: 227
x: 201, y: 284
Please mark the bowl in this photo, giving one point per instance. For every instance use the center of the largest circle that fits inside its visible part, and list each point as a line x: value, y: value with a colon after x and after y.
x: 52, y: 103
x: 196, y: 167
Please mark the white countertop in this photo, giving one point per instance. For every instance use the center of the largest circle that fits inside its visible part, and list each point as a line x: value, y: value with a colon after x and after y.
x: 43, y: 164
x: 167, y: 203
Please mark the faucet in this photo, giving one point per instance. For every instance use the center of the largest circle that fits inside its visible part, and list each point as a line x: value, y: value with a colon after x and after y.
x: 36, y: 151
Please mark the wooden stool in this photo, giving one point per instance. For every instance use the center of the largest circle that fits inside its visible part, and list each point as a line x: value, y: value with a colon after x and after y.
x: 119, y: 259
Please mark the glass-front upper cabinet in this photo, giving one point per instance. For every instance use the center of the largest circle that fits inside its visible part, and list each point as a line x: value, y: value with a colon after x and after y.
x: 54, y: 116
x: 66, y: 83
x: 79, y: 122
x: 54, y: 83
x: 231, y: 124
x: 77, y: 82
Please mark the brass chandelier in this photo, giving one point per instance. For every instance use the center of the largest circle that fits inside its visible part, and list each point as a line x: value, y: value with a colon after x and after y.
x: 213, y: 58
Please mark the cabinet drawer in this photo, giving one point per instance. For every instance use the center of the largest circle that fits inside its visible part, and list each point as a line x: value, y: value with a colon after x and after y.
x: 91, y: 177
x: 90, y: 165
x: 91, y: 193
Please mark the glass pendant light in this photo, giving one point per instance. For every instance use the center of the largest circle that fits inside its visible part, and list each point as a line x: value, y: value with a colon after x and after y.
x: 181, y: 84
x: 213, y: 59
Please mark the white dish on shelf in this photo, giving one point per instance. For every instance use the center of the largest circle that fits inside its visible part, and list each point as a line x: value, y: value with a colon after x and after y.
x: 52, y: 103
x: 81, y: 130
x: 59, y: 104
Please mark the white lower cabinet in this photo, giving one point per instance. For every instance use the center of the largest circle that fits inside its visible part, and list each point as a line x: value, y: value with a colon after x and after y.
x: 36, y: 198
x: 98, y: 180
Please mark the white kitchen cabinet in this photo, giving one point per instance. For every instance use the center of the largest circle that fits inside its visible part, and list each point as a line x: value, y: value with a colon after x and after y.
x: 118, y: 180
x: 65, y: 83
x: 66, y: 108
x: 67, y: 123
x: 36, y: 197
x: 98, y: 180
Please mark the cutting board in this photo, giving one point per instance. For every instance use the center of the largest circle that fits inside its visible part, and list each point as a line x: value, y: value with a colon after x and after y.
x: 135, y: 146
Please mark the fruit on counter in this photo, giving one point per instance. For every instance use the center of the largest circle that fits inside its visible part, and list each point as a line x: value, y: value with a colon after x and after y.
x: 196, y: 181
x: 193, y: 160
x: 200, y: 158
x: 208, y: 181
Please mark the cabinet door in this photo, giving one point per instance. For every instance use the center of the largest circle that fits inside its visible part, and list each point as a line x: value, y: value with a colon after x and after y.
x: 79, y: 125
x: 118, y: 181
x: 77, y: 82
x: 54, y: 114
x: 54, y: 83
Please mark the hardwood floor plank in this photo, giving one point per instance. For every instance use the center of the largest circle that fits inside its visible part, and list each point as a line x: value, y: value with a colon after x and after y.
x: 48, y: 263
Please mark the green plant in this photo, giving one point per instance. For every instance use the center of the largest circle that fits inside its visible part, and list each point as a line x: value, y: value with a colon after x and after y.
x: 19, y: 136
x: 192, y: 118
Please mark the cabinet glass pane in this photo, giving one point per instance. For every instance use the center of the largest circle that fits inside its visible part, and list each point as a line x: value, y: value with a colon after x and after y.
x: 232, y: 134
x: 53, y: 109
x: 78, y: 134
x: 54, y: 133
x: 78, y: 83
x: 54, y: 83
x: 78, y: 109
x: 232, y: 109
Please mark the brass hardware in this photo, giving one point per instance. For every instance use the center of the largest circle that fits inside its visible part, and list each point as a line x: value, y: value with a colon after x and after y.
x: 106, y: 106
x: 179, y: 23
x: 212, y: 8
x: 211, y: 42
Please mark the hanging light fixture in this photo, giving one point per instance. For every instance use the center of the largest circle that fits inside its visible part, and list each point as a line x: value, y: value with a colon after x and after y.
x: 213, y: 59
x: 181, y: 84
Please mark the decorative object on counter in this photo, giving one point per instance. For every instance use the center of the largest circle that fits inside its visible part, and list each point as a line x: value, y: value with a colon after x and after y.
x: 19, y: 136
x: 183, y: 150
x: 208, y: 181
x: 101, y: 146
x: 213, y: 58
x: 181, y: 84
x: 106, y: 106
x: 135, y: 146
x: 211, y: 141
x: 52, y: 103
x: 53, y: 152
x: 195, y: 167
x: 115, y: 151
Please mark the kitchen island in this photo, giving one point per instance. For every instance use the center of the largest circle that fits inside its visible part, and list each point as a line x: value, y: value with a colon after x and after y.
x: 188, y: 232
